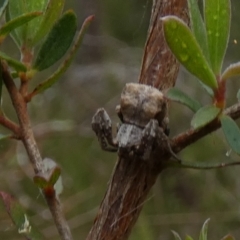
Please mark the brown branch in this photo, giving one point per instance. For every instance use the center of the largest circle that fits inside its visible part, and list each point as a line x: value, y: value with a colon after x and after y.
x: 159, y: 66
x: 26, y: 131
x: 133, y: 178
x: 56, y: 210
x: 12, y: 126
x: 127, y: 191
x: 27, y: 137
x: 190, y: 136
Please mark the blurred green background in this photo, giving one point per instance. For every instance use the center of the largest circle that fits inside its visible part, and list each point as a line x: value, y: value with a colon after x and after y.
x: 110, y: 56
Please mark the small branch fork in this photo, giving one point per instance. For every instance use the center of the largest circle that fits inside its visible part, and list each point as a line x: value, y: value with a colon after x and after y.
x: 24, y: 132
x: 133, y: 178
x: 191, y: 136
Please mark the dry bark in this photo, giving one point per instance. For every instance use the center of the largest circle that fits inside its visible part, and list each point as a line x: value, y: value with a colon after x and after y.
x: 133, y: 178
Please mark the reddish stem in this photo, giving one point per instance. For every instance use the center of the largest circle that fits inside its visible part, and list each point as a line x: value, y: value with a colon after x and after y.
x: 220, y: 94
x: 7, y: 123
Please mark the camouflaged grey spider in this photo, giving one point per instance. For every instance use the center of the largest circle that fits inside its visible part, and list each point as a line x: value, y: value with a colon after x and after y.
x: 142, y: 111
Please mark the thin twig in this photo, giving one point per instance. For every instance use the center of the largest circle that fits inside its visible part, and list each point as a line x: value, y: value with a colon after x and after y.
x: 56, y: 210
x: 192, y: 135
x: 22, y: 114
x: 7, y: 123
x: 27, y: 137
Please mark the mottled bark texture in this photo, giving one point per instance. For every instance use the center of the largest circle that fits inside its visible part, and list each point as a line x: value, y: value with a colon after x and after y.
x: 159, y: 66
x: 132, y: 177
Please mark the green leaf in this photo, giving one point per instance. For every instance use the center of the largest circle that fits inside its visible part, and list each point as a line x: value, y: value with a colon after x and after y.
x: 203, y: 233
x: 19, y: 217
x: 231, y: 132
x: 4, y: 136
x: 17, y: 22
x: 57, y: 42
x: 54, y: 175
x: 55, y: 76
x: 176, y: 235
x: 217, y: 19
x: 54, y: 172
x: 207, y: 89
x: 51, y: 14
x: 178, y: 96
x: 14, y: 75
x: 13, y: 34
x: 232, y: 71
x: 50, y: 176
x: 24, y: 34
x: 3, y: 6
x: 18, y: 66
x: 205, y: 115
x: 41, y: 181
x: 198, y: 27
x: 186, y: 49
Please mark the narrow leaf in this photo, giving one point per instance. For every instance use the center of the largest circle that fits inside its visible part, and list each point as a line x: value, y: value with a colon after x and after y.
x: 55, y: 76
x: 51, y: 14
x: 24, y: 34
x: 50, y: 176
x: 18, y: 66
x: 17, y: 22
x: 204, y: 115
x: 178, y: 96
x: 231, y: 132
x: 4, y: 136
x: 186, y: 49
x: 232, y: 71
x: 13, y: 34
x: 3, y: 6
x: 55, y: 174
x: 176, y: 235
x: 207, y: 89
x: 19, y: 217
x: 41, y: 181
x: 58, y: 41
x: 217, y: 20
x: 198, y: 27
x: 13, y: 208
x: 203, y: 233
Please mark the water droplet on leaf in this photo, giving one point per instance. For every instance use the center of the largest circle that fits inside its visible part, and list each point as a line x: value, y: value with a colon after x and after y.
x: 224, y: 12
x: 173, y: 25
x: 184, y: 57
x: 184, y: 45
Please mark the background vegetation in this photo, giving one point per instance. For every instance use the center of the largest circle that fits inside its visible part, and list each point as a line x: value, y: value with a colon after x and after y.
x: 110, y: 57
